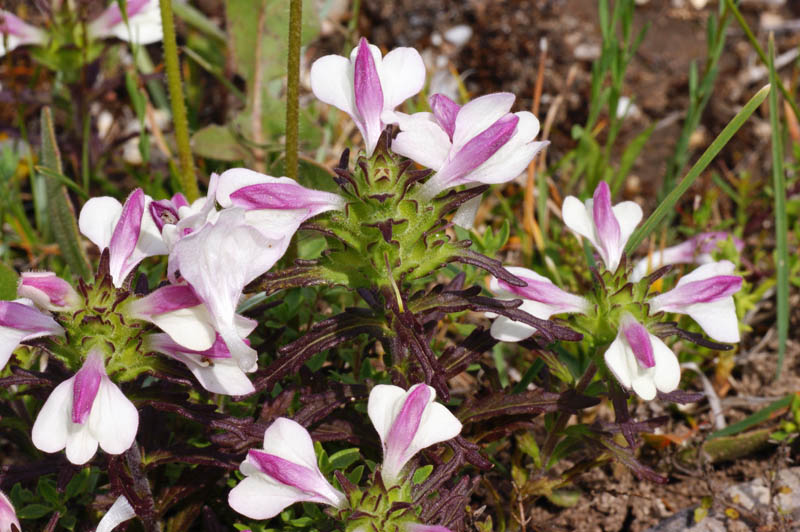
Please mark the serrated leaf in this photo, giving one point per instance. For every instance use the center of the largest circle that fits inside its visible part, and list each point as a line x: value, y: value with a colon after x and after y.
x: 62, y: 214
x: 8, y: 282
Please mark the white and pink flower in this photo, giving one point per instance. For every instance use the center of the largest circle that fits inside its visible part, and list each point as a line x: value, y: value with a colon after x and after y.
x: 85, y: 411
x: 368, y: 86
x: 21, y: 321
x: 706, y: 295
x: 284, y: 472
x: 607, y: 227
x: 214, y: 367
x: 8, y: 517
x: 16, y: 32
x: 48, y: 291
x: 641, y: 361
x: 143, y: 26
x: 407, y: 422
x: 540, y: 298
x: 128, y: 231
x: 276, y: 206
x: 696, y: 250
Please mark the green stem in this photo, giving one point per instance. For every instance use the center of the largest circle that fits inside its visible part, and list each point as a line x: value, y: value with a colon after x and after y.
x: 292, y: 90
x: 186, y: 174
x: 563, y: 417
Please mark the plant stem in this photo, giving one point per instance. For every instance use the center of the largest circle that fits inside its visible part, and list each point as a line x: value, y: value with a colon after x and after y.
x: 186, y: 175
x: 564, y: 417
x: 292, y: 89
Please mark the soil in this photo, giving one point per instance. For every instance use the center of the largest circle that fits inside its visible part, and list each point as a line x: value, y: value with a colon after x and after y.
x: 502, y: 54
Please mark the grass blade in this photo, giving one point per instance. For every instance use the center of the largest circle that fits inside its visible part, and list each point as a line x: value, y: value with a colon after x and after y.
x: 62, y: 215
x: 781, y: 220
x: 666, y: 206
x: 761, y: 416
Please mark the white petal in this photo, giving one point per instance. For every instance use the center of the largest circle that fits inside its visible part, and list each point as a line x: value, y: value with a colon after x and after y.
x: 332, y: 82
x: 423, y: 141
x: 466, y: 213
x: 113, y: 420
x: 257, y: 499
x: 644, y: 386
x: 438, y: 424
x: 276, y: 224
x: 190, y: 327
x: 506, y: 164
x: 9, y: 341
x: 150, y: 242
x: 667, y: 373
x: 578, y: 218
x: 98, y: 218
x: 288, y: 439
x: 618, y: 360
x: 145, y: 26
x: 402, y: 74
x: 477, y: 115
x: 223, y: 377
x: 707, y: 271
x: 718, y: 319
x: 119, y: 512
x: 628, y: 215
x: 382, y: 406
x: 51, y: 428
x: 507, y: 330
x: 81, y: 445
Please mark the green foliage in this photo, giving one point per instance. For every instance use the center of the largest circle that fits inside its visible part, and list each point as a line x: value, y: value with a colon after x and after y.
x: 46, y: 500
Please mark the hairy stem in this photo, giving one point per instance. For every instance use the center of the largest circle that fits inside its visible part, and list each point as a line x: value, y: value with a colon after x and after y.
x: 186, y: 174
x: 292, y: 89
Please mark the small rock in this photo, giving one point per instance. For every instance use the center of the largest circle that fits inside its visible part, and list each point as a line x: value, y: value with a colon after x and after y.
x: 458, y: 35
x: 587, y: 52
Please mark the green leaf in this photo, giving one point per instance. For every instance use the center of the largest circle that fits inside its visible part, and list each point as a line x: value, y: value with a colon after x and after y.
x: 355, y: 475
x: 271, y: 41
x: 564, y: 498
x: 759, y: 417
x: 421, y: 474
x: 218, y: 142
x: 344, y: 458
x: 62, y: 214
x: 33, y: 511
x: 781, y: 219
x: 722, y: 139
x: 8, y: 282
x: 47, y: 489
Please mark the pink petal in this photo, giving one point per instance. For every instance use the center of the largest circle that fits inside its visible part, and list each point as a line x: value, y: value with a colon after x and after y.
x: 86, y: 385
x: 639, y: 340
x: 606, y: 225
x: 368, y: 94
x: 445, y: 110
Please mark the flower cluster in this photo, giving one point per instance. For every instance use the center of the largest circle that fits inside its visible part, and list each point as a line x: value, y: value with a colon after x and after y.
x: 285, y: 471
x: 637, y: 357
x: 389, y: 225
x: 143, y: 26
